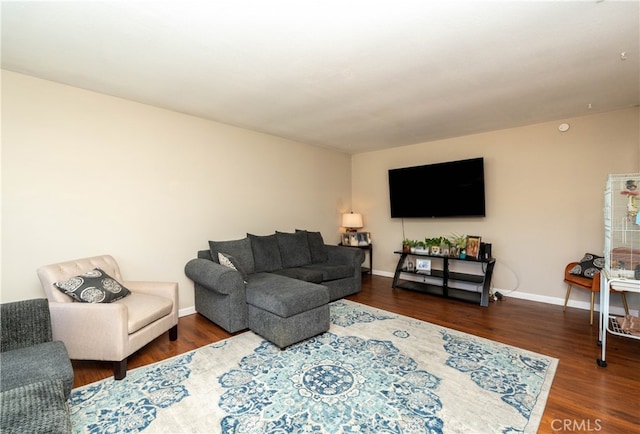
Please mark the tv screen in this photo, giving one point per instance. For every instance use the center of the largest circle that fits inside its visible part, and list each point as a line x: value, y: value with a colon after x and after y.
x: 450, y: 189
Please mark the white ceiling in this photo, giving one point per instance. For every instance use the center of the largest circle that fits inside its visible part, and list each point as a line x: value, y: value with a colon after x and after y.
x: 349, y: 75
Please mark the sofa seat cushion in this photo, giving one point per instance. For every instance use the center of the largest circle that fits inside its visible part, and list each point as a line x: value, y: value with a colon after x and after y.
x: 39, y: 407
x: 332, y: 272
x: 145, y: 309
x: 46, y: 361
x: 283, y: 296
x: 301, y: 273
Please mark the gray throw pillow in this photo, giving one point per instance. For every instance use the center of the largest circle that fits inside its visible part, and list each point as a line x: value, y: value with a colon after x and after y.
x: 266, y: 252
x: 239, y: 249
x: 317, y: 248
x: 94, y: 286
x: 294, y: 249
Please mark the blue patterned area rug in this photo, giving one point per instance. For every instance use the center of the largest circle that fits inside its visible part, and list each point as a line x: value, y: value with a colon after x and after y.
x: 373, y: 372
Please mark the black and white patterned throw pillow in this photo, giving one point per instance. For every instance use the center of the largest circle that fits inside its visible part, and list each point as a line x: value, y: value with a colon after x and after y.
x: 94, y: 286
x: 589, y: 266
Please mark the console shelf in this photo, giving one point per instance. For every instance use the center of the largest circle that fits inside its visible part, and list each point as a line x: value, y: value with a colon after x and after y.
x: 447, y: 279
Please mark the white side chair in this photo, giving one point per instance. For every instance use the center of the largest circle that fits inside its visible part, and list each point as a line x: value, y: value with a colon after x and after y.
x: 109, y: 331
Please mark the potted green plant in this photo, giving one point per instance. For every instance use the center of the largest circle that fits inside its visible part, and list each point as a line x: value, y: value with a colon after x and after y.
x: 430, y: 243
x: 459, y: 242
x: 445, y: 246
x: 421, y: 247
x: 409, y: 245
x: 406, y: 245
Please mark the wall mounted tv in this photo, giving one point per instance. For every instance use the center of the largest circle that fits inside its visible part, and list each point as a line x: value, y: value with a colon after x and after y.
x: 450, y: 189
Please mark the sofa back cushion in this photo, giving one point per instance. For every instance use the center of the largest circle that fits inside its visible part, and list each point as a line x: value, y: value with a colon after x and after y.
x: 294, y: 249
x: 241, y: 250
x: 205, y: 254
x: 317, y: 248
x: 266, y: 253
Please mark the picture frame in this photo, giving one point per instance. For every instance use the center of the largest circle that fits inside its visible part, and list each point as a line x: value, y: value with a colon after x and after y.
x: 345, y: 239
x: 353, y: 239
x: 364, y: 238
x: 423, y: 265
x: 473, y: 246
x: 409, y: 266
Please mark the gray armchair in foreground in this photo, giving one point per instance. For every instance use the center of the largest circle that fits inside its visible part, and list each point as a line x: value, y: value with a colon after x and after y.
x: 36, y: 376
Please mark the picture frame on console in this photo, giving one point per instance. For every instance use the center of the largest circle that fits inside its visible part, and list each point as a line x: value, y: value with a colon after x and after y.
x: 423, y: 266
x: 364, y: 238
x: 345, y: 239
x: 473, y: 246
x: 353, y: 239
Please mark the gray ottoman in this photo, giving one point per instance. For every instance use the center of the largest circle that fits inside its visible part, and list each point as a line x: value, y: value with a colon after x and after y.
x: 286, y: 311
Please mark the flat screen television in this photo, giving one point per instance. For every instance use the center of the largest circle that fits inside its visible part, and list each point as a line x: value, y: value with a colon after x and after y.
x: 449, y: 189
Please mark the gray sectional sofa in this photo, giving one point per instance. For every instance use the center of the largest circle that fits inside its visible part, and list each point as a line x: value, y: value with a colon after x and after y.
x: 36, y: 376
x: 277, y: 285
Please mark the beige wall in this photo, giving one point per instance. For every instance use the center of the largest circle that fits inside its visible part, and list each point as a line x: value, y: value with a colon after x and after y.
x: 544, y: 196
x: 85, y: 174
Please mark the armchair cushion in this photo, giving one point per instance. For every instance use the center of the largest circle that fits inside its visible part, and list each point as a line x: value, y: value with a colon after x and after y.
x: 94, y: 286
x: 143, y: 309
x: 589, y: 266
x: 39, y: 407
x: 41, y: 362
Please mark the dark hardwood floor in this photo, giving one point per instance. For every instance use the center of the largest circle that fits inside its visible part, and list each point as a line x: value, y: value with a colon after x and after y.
x: 583, y: 398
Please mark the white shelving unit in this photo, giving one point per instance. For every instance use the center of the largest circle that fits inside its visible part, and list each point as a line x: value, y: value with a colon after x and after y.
x: 621, y: 250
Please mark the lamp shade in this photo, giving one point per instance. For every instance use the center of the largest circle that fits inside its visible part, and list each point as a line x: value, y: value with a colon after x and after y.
x: 352, y: 220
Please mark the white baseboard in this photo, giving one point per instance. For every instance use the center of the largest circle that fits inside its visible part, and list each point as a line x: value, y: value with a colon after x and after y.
x: 187, y: 311
x: 558, y: 301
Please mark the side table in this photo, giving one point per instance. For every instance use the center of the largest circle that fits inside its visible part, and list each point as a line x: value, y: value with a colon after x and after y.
x: 366, y: 248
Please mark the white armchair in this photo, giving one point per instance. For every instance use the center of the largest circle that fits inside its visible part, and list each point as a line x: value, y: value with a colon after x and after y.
x: 109, y: 331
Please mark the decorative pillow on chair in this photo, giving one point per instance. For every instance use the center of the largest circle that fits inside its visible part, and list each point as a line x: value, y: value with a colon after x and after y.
x: 94, y: 286
x: 589, y: 266
x: 231, y: 262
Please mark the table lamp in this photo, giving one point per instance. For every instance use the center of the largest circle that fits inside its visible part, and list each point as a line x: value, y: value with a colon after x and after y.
x: 352, y: 221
